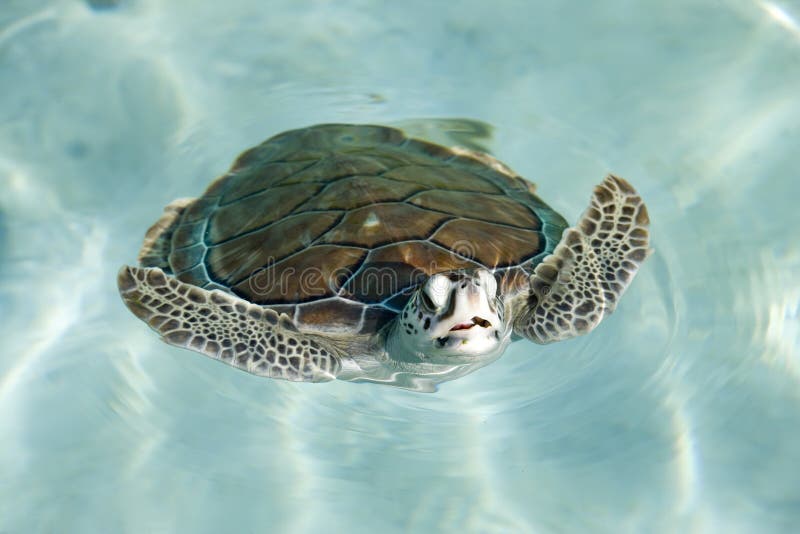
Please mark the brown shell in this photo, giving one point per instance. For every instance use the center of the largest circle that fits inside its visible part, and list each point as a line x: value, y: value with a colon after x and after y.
x: 335, y: 224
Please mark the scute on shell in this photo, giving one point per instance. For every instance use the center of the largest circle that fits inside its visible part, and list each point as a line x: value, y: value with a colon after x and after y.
x: 334, y: 224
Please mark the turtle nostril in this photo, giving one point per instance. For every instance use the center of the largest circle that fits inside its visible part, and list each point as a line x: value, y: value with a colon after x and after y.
x: 480, y: 321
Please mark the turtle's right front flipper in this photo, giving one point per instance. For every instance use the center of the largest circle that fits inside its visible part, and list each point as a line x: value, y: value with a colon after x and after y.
x: 578, y: 285
x: 227, y: 328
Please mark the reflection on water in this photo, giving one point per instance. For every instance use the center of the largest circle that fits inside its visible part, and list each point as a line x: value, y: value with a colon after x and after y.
x: 680, y: 413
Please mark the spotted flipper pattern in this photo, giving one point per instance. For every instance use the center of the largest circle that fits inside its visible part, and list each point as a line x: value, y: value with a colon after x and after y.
x: 227, y: 328
x: 574, y: 288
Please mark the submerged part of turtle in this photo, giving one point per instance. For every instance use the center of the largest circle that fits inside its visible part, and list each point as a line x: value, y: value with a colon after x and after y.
x: 357, y: 253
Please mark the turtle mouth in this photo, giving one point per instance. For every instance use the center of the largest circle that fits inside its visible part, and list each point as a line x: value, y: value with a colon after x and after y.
x: 475, y: 321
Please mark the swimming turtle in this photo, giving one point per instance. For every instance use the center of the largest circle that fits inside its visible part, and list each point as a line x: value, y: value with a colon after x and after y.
x: 355, y: 252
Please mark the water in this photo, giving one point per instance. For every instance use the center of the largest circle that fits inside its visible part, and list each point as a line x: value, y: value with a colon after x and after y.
x: 680, y: 413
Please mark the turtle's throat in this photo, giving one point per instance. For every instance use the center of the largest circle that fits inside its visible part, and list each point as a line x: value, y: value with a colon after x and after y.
x: 399, y: 347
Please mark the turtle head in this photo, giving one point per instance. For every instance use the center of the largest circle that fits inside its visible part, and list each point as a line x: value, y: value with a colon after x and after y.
x: 454, y: 317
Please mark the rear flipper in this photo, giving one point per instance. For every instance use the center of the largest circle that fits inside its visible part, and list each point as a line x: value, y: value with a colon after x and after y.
x: 227, y: 328
x: 156, y: 246
x: 578, y: 285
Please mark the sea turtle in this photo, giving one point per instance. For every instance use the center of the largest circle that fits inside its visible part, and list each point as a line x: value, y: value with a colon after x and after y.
x: 355, y: 252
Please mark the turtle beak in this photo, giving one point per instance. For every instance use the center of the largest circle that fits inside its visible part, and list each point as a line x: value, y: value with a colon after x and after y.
x: 471, y: 305
x: 475, y: 321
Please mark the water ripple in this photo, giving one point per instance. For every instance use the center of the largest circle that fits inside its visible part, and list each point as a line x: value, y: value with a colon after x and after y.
x: 678, y: 409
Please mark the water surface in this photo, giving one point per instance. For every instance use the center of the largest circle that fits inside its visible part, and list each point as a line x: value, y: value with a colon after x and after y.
x: 680, y: 413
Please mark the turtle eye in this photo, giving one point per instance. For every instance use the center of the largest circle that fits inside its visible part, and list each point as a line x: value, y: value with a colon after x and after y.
x: 489, y: 283
x: 437, y: 291
x: 426, y: 301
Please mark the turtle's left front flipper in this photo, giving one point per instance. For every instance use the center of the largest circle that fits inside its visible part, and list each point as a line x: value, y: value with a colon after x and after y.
x: 574, y: 288
x: 227, y: 328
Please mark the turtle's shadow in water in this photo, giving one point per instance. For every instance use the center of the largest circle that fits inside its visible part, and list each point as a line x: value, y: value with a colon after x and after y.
x: 103, y: 5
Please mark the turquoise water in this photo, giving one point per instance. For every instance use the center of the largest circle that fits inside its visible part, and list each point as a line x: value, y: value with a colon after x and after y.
x: 680, y: 413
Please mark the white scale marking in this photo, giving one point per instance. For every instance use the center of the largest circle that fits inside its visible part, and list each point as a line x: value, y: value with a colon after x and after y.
x: 371, y: 221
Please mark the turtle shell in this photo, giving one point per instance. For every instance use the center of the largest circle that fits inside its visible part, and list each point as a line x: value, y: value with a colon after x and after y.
x: 335, y: 225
